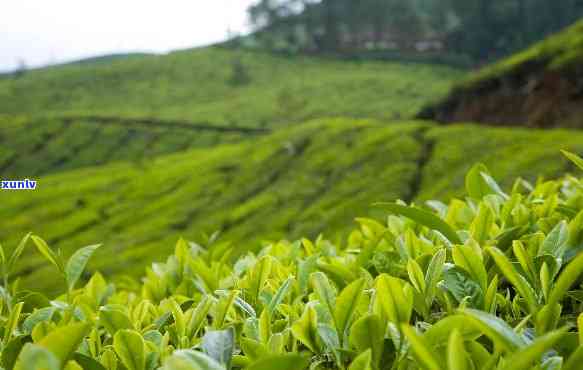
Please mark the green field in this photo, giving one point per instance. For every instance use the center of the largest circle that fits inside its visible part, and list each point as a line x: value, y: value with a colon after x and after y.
x: 197, y: 85
x: 302, y: 181
x: 137, y: 152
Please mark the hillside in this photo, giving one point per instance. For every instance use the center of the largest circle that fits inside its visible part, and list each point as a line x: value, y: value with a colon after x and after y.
x: 227, y: 87
x: 294, y: 182
x: 539, y: 87
x: 37, y: 146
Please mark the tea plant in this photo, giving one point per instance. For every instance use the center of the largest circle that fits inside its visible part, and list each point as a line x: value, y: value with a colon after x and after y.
x: 489, y: 282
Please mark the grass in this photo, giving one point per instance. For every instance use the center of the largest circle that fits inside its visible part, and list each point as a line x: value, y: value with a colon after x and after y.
x: 196, y: 85
x: 295, y: 182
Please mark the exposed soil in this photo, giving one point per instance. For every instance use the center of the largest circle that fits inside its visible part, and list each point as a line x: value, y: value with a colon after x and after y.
x: 531, y: 96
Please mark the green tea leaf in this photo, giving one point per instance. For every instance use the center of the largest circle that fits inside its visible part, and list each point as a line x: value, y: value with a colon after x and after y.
x: 456, y: 353
x: 64, y: 341
x: 219, y: 346
x: 515, y: 278
x: 280, y: 294
x: 114, y: 319
x: 532, y: 354
x: 305, y: 329
x: 578, y: 161
x: 555, y: 243
x: 187, y: 359
x: 48, y: 253
x: 496, y: 329
x: 324, y: 290
x: 368, y: 333
x: 465, y: 257
x: 346, y: 305
x: 77, y: 263
x: 397, y: 305
x: 290, y: 361
x: 16, y: 253
x: 566, y: 279
x: 130, y: 347
x: 424, y: 218
x: 421, y: 349
x: 362, y: 361
x: 35, y: 357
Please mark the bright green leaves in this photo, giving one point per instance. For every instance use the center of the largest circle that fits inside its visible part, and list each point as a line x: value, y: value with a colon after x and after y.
x: 517, y: 280
x: 395, y: 298
x: 421, y: 349
x: 501, y: 334
x: 55, y: 259
x: 77, y: 263
x: 362, y: 361
x: 63, y: 341
x: 532, y: 354
x: 306, y: 329
x: 481, y: 227
x: 130, y: 347
x: 35, y: 357
x: 424, y: 218
x: 281, y: 362
x: 482, y: 283
x: 219, y: 346
x: 324, y: 291
x: 479, y: 183
x: 368, y: 333
x: 555, y: 243
x: 190, y: 360
x: 456, y: 353
x: 346, y: 306
x: 471, y: 261
x: 578, y: 161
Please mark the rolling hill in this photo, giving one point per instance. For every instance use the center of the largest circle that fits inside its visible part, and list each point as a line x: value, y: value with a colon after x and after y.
x: 300, y: 181
x: 136, y: 152
x: 227, y: 87
x: 539, y: 87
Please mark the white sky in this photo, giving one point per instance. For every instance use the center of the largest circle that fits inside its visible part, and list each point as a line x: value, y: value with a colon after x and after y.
x: 48, y: 31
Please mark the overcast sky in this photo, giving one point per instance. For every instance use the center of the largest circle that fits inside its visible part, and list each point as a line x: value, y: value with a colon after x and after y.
x: 48, y: 31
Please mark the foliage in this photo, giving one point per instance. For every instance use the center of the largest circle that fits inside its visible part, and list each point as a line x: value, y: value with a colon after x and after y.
x: 480, y: 29
x: 502, y: 292
x: 288, y: 184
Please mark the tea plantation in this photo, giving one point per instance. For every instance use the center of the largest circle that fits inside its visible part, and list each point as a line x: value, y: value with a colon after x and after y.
x: 302, y: 181
x: 202, y: 85
x: 492, y: 282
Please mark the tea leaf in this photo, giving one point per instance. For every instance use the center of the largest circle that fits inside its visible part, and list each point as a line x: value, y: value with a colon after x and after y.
x: 424, y: 218
x: 130, y: 347
x: 77, y: 263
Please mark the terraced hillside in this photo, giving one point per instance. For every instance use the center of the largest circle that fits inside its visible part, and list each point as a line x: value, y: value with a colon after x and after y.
x: 38, y: 146
x: 293, y: 182
x: 540, y: 87
x: 227, y: 87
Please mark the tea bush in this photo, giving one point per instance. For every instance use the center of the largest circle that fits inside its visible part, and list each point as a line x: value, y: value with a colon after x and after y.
x: 489, y: 282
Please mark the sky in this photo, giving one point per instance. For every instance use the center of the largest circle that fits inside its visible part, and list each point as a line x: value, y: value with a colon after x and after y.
x: 41, y: 32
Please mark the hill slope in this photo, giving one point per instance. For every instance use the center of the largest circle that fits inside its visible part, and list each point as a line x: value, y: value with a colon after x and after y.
x: 293, y: 182
x: 540, y: 87
x: 224, y: 87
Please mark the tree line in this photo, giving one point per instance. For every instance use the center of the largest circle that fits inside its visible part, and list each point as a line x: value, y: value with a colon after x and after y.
x: 479, y: 29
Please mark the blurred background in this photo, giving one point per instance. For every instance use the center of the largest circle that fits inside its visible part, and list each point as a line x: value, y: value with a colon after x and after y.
x: 245, y: 122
